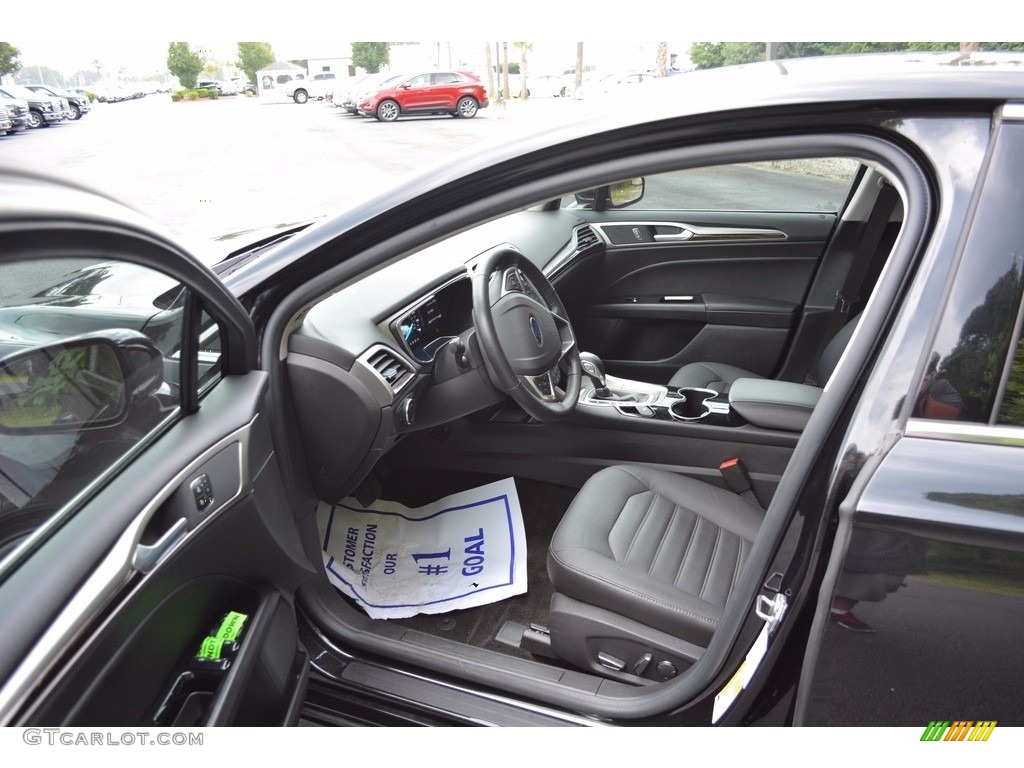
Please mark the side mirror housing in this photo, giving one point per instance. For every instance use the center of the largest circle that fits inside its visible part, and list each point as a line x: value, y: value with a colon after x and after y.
x: 86, y: 382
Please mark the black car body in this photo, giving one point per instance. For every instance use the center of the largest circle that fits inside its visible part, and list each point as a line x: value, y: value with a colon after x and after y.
x: 393, y: 352
x: 17, y: 110
x: 44, y: 110
x: 78, y: 104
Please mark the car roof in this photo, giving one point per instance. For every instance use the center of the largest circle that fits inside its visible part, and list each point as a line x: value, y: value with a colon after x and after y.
x: 832, y: 79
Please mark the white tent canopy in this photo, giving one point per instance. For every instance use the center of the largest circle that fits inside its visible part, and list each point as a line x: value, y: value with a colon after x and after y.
x: 270, y: 80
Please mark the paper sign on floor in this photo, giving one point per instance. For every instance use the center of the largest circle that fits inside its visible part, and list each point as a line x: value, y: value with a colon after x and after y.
x: 464, y: 550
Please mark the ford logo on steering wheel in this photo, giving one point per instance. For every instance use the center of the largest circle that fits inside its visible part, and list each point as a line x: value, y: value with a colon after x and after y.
x: 535, y: 328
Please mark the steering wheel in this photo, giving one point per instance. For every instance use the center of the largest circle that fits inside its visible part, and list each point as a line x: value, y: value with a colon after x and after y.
x: 528, y: 346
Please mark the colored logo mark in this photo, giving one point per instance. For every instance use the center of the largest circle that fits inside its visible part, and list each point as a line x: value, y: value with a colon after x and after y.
x: 958, y: 730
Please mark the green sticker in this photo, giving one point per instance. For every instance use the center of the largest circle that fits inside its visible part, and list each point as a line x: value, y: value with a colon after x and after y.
x: 231, y: 627
x: 210, y: 648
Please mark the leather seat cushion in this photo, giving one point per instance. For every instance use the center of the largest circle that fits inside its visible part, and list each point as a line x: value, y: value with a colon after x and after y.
x: 659, y: 548
x: 716, y: 376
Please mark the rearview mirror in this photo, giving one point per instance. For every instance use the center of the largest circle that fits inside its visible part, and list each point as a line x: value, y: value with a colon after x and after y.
x: 76, y: 384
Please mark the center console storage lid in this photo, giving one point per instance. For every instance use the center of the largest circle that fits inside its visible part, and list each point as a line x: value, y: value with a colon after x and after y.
x: 774, y: 404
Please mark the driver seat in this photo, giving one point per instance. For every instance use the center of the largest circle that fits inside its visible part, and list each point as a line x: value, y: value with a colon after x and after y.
x: 642, y: 564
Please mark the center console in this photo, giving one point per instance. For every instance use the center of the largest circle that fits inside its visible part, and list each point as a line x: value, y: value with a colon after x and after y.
x: 653, y: 401
x: 764, y: 403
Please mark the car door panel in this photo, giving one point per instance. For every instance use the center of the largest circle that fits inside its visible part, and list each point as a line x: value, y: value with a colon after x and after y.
x: 136, y: 622
x: 730, y: 289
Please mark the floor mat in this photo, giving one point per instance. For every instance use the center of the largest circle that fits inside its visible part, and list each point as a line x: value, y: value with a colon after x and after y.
x: 543, y: 505
x: 461, y: 551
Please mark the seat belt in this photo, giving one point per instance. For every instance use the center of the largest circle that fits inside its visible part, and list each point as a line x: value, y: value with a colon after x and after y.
x: 849, y: 294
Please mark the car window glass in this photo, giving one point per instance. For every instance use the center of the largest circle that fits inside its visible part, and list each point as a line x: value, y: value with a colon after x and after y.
x: 1011, y: 410
x: 419, y: 81
x: 979, y: 329
x: 800, y: 185
x: 89, y: 366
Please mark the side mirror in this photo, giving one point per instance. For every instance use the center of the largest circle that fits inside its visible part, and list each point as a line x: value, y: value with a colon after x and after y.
x: 621, y: 194
x: 87, y: 382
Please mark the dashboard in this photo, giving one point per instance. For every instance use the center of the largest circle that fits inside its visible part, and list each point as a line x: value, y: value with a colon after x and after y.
x: 368, y: 364
x: 428, y: 325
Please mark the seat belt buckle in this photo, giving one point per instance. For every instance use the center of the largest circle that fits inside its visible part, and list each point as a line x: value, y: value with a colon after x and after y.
x: 735, y: 476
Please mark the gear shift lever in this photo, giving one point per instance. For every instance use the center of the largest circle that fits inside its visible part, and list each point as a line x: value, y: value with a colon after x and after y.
x: 593, y: 367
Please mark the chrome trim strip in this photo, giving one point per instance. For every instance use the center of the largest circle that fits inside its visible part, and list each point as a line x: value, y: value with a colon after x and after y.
x: 965, y: 433
x: 699, y: 234
x: 104, y: 583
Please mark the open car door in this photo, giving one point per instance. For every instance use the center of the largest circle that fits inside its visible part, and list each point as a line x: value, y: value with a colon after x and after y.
x: 148, y: 555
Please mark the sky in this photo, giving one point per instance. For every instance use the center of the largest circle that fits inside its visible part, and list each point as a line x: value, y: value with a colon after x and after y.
x: 119, y: 34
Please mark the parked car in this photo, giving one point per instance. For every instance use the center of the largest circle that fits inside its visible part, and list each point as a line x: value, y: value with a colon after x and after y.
x: 43, y: 110
x: 362, y: 89
x: 745, y: 362
x: 615, y: 84
x: 6, y: 123
x: 459, y: 94
x: 316, y: 87
x: 77, y: 104
x: 17, y: 112
x: 546, y: 85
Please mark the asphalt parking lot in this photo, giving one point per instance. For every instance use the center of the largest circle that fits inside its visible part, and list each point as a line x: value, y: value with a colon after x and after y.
x: 203, y: 169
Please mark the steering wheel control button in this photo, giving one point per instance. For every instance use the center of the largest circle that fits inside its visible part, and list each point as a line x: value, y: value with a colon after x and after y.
x: 202, y: 492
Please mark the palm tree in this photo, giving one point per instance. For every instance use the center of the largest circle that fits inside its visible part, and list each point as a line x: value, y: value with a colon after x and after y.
x: 662, y: 59
x: 504, y: 72
x: 524, y: 48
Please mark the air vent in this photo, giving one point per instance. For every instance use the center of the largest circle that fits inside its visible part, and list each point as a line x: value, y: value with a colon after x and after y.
x: 389, y: 367
x: 585, y: 238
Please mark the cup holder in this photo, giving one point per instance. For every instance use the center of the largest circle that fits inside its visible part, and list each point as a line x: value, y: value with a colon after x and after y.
x: 692, y: 404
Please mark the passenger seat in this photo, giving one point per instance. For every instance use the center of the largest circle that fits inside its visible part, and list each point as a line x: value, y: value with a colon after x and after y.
x: 720, y: 377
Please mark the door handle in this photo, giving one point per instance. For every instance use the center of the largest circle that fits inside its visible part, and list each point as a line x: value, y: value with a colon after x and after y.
x: 676, y: 237
x: 147, y: 556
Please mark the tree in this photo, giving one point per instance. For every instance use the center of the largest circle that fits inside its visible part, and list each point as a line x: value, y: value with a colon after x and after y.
x: 252, y: 57
x: 9, y: 56
x: 490, y: 72
x: 661, y: 60
x: 370, y: 56
x: 37, y: 74
x: 504, y: 72
x: 184, y: 63
x: 579, y: 68
x: 708, y: 55
x: 524, y: 88
x: 975, y: 365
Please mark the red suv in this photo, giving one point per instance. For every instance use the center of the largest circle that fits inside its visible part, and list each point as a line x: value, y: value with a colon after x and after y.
x: 460, y: 94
